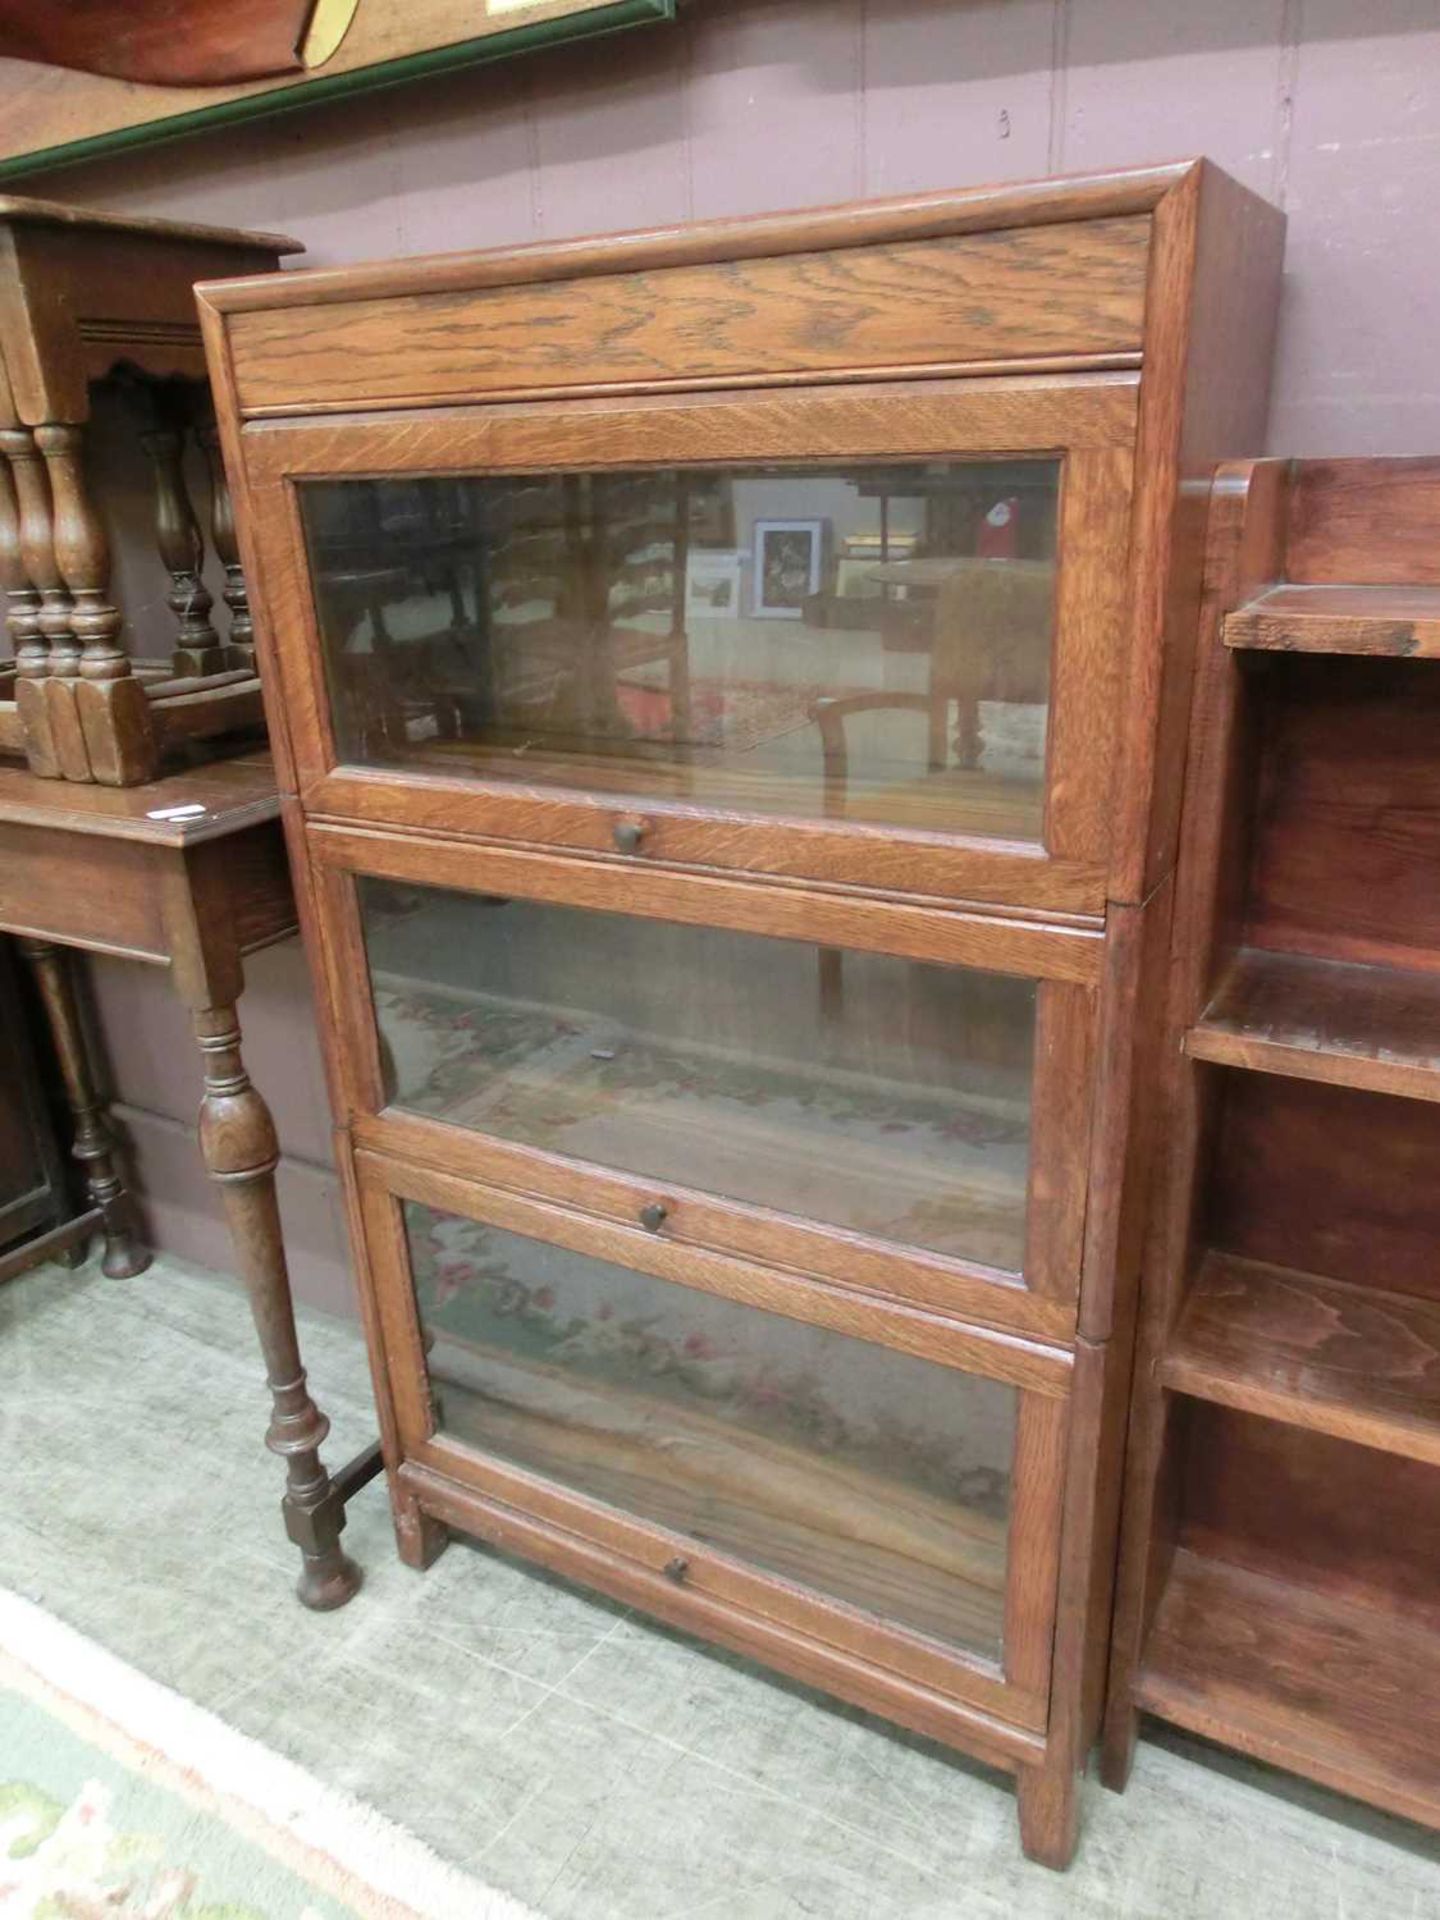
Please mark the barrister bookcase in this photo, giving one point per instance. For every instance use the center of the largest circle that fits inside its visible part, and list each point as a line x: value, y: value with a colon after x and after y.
x: 730, y: 684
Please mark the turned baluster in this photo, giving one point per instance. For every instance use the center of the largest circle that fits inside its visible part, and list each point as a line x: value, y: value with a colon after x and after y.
x: 237, y: 1139
x: 241, y: 649
x: 34, y: 590
x: 113, y: 709
x: 198, y: 649
x: 91, y: 1144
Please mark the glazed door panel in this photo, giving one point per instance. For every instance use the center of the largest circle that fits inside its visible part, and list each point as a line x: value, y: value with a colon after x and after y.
x: 784, y: 1448
x: 599, y: 627
x: 896, y: 1098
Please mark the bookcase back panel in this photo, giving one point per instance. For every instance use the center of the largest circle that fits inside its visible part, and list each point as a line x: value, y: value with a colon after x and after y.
x: 1312, y: 1509
x: 1347, y: 811
x: 1329, y: 1180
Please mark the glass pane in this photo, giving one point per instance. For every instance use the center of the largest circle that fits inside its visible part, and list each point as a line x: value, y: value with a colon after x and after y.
x: 858, y: 1089
x: 869, y: 1475
x: 869, y: 642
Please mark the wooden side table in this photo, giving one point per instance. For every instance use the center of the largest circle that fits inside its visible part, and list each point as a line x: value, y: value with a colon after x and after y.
x: 189, y: 873
x: 85, y: 296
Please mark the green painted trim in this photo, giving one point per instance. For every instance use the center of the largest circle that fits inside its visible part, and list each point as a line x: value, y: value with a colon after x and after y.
x: 385, y: 73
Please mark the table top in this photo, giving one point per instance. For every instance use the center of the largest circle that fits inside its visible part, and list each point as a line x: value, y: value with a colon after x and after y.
x: 182, y: 809
x: 58, y: 213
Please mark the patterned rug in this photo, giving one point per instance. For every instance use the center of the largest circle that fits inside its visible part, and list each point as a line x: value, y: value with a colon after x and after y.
x: 119, y: 1800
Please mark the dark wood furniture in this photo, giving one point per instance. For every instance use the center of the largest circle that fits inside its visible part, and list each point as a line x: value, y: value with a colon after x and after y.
x: 745, y: 1179
x: 1281, y: 1533
x: 84, y: 297
x: 37, y: 1218
x: 187, y: 873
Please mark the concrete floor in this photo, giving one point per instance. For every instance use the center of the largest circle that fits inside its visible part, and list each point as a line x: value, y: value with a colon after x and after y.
x: 554, y: 1745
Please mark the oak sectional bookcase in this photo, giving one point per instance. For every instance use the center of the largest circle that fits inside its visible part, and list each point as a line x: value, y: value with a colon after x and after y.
x: 730, y: 684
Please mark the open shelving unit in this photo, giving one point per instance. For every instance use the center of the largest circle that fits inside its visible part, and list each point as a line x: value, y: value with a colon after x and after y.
x: 1282, y: 1505
x: 1395, y: 622
x: 1321, y: 1686
x: 1347, y: 1025
x: 1350, y: 1361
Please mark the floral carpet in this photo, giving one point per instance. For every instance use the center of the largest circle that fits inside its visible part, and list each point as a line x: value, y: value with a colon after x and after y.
x: 119, y: 1800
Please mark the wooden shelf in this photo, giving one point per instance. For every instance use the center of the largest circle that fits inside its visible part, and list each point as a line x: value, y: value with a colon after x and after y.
x: 1395, y: 622
x: 936, y: 1565
x: 1351, y: 1026
x: 1350, y: 1361
x: 1340, y: 1692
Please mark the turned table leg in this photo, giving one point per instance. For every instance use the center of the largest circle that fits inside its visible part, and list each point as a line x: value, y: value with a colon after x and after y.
x: 237, y: 1139
x: 125, y: 1254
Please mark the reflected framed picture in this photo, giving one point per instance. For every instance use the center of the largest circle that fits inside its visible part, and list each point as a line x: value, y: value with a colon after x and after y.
x: 789, y: 565
x: 712, y: 585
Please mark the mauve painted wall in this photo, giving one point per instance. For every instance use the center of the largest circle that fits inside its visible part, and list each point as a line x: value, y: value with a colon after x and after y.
x: 1331, y: 110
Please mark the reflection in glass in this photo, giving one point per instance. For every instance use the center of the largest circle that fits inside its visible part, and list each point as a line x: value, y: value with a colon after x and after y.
x: 865, y: 1474
x: 868, y: 643
x: 863, y: 1090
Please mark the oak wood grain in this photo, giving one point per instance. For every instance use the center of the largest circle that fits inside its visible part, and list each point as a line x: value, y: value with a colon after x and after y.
x: 1401, y: 621
x: 1077, y: 197
x: 1331, y: 1690
x: 1370, y: 522
x: 1027, y: 291
x: 994, y: 942
x: 1328, y: 1179
x: 1332, y: 1515
x: 1346, y: 812
x: 1355, y: 1362
x: 890, y: 1550
x: 523, y: 1515
x: 1350, y: 1026
x: 1242, y: 542
x: 754, y: 1233
x: 997, y: 1355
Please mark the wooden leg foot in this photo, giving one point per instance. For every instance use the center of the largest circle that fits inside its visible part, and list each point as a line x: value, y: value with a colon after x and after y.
x: 237, y: 1139
x: 1117, y: 1747
x: 314, y: 1518
x: 969, y: 743
x: 1049, y: 1814
x: 92, y: 1145
x: 125, y: 1253
x: 420, y: 1538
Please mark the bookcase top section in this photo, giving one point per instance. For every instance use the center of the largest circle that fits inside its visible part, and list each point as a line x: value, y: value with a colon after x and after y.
x: 924, y: 216
x: 1062, y: 276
